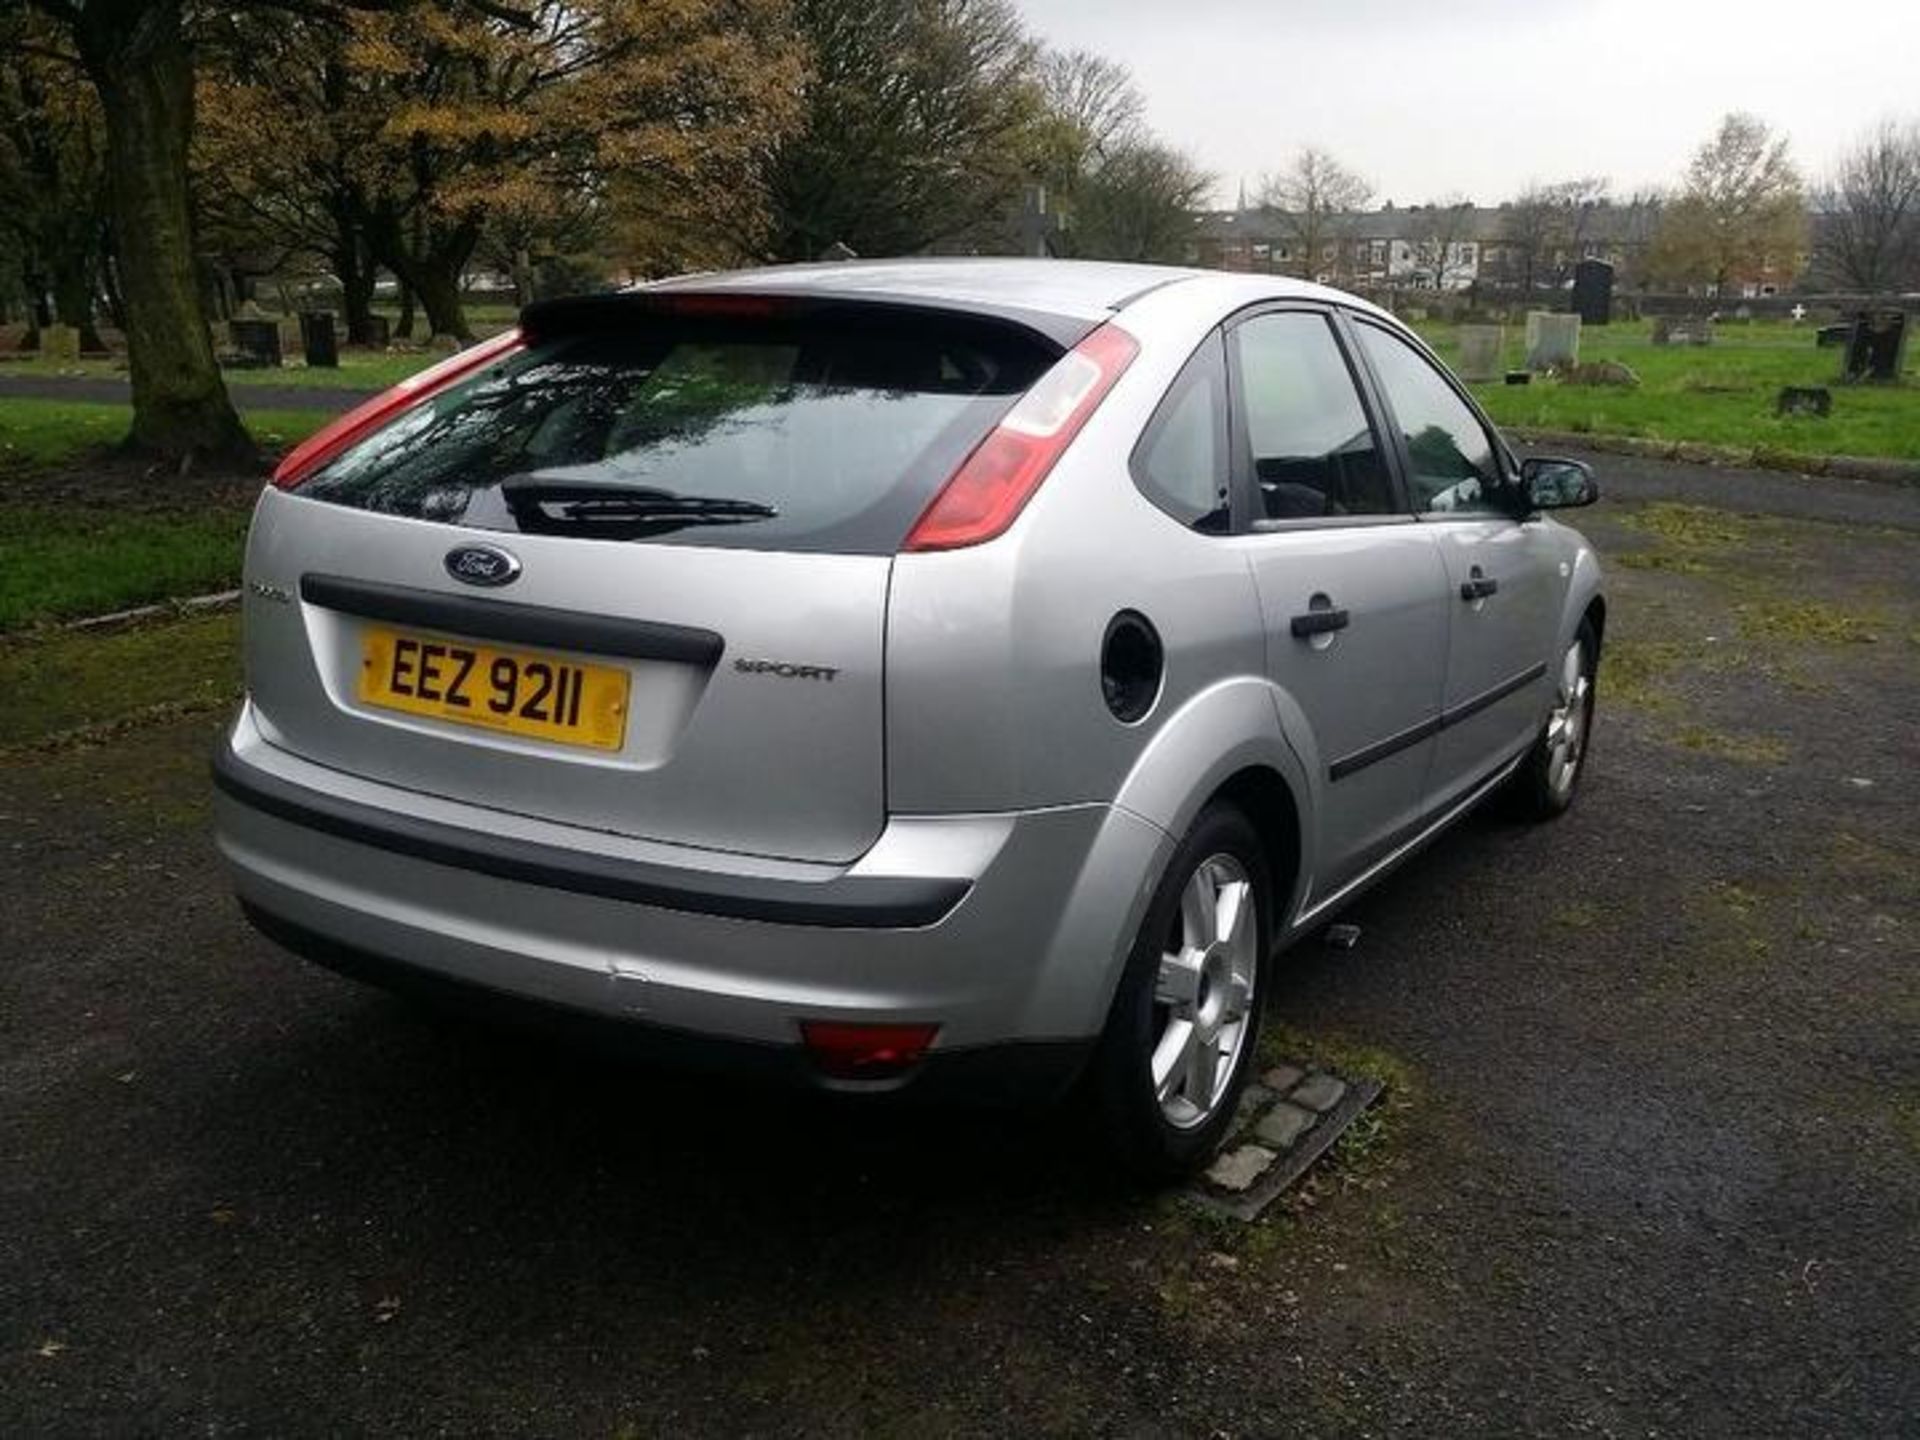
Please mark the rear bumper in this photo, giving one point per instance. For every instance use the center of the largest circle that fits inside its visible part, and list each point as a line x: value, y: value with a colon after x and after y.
x: 1007, y: 930
x: 1010, y: 1073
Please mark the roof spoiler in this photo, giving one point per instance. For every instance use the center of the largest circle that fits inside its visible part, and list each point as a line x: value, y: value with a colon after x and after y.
x: 626, y: 309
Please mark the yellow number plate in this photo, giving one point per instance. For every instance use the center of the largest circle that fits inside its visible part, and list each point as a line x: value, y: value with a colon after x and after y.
x: 520, y: 692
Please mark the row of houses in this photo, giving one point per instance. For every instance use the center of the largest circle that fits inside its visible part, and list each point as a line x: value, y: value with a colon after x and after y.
x: 1445, y: 247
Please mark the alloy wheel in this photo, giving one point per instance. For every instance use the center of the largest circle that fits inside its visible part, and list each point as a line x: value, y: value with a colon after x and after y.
x: 1567, y: 724
x: 1203, y: 992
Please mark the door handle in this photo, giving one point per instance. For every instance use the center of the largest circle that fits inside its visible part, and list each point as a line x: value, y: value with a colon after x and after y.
x: 1477, y: 586
x: 1318, y: 622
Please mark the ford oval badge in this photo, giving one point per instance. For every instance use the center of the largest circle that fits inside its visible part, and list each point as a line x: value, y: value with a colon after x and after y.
x: 482, y: 565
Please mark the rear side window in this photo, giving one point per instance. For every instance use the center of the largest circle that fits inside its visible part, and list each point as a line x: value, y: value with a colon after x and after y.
x: 829, y: 432
x: 1313, y: 450
x: 1181, y: 462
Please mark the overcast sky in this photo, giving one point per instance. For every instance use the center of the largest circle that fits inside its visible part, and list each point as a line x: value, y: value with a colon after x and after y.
x: 1428, y: 98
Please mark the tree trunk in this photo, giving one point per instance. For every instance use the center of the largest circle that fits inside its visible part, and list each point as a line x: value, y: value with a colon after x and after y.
x: 356, y: 300
x: 136, y: 53
x: 438, y: 286
x: 432, y: 276
x: 403, y: 330
x: 73, y: 297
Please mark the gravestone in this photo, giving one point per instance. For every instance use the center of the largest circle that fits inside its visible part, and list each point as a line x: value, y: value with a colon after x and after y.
x: 1553, y: 341
x: 379, y: 332
x: 1799, y: 313
x: 256, y: 343
x: 1804, y: 400
x: 1480, y: 350
x: 1876, y: 351
x: 1683, y: 330
x: 1593, y: 292
x: 1827, y: 336
x: 1600, y: 372
x: 60, y: 344
x: 317, y: 339
x: 839, y: 252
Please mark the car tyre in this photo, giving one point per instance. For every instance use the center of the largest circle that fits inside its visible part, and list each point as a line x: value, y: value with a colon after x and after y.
x: 1548, y: 779
x: 1185, y: 1024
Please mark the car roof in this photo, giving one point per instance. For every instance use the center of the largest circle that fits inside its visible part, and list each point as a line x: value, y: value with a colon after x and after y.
x: 1086, y: 289
x: 1083, y: 293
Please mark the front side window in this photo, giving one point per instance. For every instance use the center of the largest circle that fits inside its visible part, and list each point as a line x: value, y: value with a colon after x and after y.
x: 1312, y: 449
x: 1453, y: 468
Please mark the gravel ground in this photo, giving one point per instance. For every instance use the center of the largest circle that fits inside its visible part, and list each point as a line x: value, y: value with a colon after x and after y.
x: 1650, y: 1164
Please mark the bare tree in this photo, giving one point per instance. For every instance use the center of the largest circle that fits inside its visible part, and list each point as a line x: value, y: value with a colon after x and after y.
x: 1740, y: 214
x: 1310, y: 196
x: 1868, y: 226
x: 1439, y: 238
x: 1092, y: 101
x: 1544, y: 228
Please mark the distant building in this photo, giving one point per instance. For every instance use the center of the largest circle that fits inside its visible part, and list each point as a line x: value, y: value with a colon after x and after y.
x: 1433, y: 247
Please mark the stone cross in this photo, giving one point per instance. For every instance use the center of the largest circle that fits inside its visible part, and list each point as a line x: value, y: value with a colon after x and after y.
x: 1799, y: 313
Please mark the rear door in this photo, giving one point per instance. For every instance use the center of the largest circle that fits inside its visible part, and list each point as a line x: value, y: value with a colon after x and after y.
x: 1351, y: 588
x: 1504, y: 586
x: 633, y: 578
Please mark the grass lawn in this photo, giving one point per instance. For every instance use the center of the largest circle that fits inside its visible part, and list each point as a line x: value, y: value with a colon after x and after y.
x: 84, y: 531
x: 36, y: 433
x: 1721, y: 394
x: 57, y: 565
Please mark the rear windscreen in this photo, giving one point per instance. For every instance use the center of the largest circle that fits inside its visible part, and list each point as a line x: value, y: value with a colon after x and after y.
x: 830, y: 432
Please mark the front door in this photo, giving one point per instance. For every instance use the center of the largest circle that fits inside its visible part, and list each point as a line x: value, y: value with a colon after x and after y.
x: 1503, y: 585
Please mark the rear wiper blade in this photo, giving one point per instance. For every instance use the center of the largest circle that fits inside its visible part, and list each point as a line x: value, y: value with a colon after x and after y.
x: 535, y: 502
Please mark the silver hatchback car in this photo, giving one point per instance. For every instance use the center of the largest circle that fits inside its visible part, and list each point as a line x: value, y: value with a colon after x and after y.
x: 960, y: 675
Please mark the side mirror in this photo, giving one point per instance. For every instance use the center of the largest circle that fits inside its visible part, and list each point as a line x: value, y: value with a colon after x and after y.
x: 1550, y: 484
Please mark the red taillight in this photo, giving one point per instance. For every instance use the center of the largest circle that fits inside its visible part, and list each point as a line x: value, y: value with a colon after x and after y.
x: 994, y: 483
x: 865, y: 1052
x: 720, y: 305
x: 323, y: 445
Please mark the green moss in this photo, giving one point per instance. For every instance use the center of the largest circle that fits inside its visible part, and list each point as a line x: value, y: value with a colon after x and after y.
x: 1577, y: 915
x: 68, y: 681
x: 1746, y: 749
x: 1286, y: 1044
x: 1807, y: 622
x: 1634, y: 671
x: 1689, y: 527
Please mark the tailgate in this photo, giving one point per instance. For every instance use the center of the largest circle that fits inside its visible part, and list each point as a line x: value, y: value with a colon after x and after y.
x: 747, y: 683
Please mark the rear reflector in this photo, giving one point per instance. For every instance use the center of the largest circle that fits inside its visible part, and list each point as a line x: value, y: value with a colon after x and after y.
x: 994, y: 483
x: 310, y: 454
x: 865, y: 1052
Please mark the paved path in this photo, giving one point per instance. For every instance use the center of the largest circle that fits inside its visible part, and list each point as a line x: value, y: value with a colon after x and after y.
x: 1760, y: 492
x: 247, y: 395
